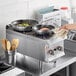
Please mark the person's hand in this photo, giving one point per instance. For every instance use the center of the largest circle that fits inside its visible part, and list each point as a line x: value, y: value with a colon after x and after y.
x: 68, y: 27
x: 63, y: 27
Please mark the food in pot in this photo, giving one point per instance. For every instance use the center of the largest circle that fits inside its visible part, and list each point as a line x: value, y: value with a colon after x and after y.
x: 44, y: 29
x: 23, y: 24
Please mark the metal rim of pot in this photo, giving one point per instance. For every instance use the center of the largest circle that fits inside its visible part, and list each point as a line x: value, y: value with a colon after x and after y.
x: 37, y: 30
x: 31, y: 22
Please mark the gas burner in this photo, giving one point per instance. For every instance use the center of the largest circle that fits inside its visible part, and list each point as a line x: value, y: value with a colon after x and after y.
x: 38, y: 36
x: 43, y: 47
x: 46, y: 36
x: 32, y: 33
x: 43, y: 37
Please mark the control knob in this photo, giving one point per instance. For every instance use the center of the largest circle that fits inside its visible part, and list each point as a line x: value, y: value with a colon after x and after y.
x: 51, y: 52
x: 59, y: 48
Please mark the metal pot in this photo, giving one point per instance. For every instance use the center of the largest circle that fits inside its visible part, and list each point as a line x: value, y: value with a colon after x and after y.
x: 43, y: 30
x: 30, y: 22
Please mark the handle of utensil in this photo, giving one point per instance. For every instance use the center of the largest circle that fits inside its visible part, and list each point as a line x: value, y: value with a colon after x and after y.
x: 10, y: 59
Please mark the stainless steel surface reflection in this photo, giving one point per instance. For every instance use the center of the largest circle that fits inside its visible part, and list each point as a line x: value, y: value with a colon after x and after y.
x: 28, y: 64
x: 31, y: 65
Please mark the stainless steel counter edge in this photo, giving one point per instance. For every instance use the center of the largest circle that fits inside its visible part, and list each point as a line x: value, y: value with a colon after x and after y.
x: 61, y: 63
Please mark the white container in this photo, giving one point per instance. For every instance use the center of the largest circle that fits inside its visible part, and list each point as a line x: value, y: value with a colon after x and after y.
x: 65, y: 13
x: 52, y: 17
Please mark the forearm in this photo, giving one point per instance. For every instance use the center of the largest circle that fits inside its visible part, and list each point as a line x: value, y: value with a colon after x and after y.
x: 70, y: 26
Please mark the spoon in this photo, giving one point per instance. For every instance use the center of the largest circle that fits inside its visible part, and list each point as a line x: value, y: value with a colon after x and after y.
x: 4, y: 44
x: 8, y: 45
x: 15, y: 43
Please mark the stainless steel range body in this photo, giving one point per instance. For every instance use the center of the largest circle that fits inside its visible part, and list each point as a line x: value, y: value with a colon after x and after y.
x: 42, y: 48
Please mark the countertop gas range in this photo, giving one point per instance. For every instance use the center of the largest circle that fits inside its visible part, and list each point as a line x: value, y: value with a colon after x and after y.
x: 44, y: 48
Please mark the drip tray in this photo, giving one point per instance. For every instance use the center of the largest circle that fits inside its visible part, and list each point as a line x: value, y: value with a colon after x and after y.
x: 4, y: 67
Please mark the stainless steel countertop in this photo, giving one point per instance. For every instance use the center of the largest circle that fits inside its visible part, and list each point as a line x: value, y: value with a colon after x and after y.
x: 61, y: 63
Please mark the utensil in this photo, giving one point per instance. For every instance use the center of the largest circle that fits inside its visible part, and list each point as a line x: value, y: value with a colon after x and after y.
x: 8, y: 45
x: 4, y: 44
x: 15, y: 43
x: 30, y: 22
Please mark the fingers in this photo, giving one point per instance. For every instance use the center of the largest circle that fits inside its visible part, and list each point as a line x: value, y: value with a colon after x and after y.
x: 63, y: 27
x: 66, y: 27
x: 69, y: 27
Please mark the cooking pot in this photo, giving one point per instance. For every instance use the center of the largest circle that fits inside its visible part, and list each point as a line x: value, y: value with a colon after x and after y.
x: 43, y: 30
x: 28, y: 22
